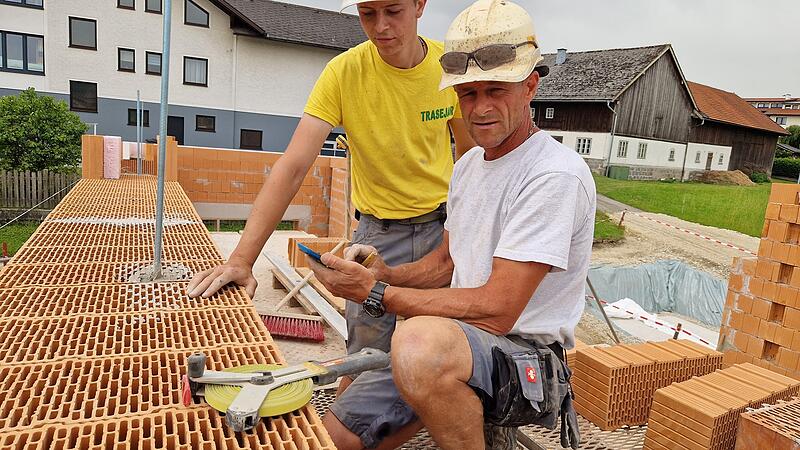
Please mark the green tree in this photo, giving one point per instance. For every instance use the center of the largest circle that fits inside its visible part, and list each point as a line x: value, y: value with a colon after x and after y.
x: 37, y: 132
x: 793, y: 138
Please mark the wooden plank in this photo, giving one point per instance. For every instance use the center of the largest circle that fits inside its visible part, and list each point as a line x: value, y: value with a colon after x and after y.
x: 284, y: 282
x: 336, y: 302
x: 320, y: 305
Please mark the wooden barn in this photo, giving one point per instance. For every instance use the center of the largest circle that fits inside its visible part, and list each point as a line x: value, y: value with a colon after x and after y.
x: 632, y: 109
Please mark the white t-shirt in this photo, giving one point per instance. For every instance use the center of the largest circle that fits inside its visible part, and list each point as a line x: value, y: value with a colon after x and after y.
x: 535, y: 204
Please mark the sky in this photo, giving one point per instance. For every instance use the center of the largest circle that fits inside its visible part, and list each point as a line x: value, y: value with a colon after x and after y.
x: 749, y: 47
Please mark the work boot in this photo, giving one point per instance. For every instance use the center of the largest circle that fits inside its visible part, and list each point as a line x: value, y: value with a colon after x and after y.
x: 499, y: 438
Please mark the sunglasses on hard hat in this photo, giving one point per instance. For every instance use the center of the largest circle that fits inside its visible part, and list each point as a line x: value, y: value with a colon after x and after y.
x: 487, y: 58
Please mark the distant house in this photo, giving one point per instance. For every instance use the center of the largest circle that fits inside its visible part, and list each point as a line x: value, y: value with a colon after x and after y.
x: 728, y: 121
x: 240, y: 70
x: 632, y: 107
x: 785, y: 111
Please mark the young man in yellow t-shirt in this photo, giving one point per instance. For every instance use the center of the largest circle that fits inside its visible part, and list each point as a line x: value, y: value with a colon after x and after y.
x: 385, y: 94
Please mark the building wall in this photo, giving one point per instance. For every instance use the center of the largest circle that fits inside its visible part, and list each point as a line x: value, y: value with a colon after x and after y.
x: 750, y: 149
x: 657, y: 154
x: 657, y: 106
x: 223, y: 183
x: 704, y: 150
x: 573, y: 116
x: 253, y: 83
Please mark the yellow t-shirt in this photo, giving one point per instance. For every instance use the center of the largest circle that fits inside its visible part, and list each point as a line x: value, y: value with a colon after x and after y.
x: 396, y: 125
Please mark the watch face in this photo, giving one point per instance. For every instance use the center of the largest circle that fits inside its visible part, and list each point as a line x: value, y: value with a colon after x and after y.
x: 374, y: 308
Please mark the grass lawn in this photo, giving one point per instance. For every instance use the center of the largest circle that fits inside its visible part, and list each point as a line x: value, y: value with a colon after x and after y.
x: 738, y: 208
x: 16, y: 234
x: 238, y: 225
x: 606, y: 229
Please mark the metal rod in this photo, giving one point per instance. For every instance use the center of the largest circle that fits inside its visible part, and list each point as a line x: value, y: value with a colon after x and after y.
x: 138, y: 133
x: 599, y: 305
x: 162, y: 139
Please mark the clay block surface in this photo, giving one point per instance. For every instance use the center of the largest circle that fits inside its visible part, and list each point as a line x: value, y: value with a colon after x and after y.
x: 91, y: 358
x: 703, y: 412
x: 614, y: 386
x: 111, y: 299
x: 772, y: 426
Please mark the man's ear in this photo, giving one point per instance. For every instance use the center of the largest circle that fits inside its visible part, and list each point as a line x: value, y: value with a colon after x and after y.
x: 420, y: 7
x: 531, y: 85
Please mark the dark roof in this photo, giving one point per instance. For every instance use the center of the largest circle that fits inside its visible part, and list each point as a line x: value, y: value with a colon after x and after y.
x: 296, y: 24
x: 726, y: 107
x: 789, y: 148
x: 596, y: 75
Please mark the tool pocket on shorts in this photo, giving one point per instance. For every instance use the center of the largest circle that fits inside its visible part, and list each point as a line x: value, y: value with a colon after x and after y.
x: 519, y: 396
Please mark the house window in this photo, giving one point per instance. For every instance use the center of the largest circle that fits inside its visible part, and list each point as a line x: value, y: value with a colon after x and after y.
x: 583, y: 145
x: 775, y: 105
x: 195, y: 71
x: 38, y: 4
x: 642, y: 153
x: 194, y: 14
x: 250, y: 139
x: 132, y: 117
x: 22, y: 52
x: 721, y: 157
x: 153, y: 6
x: 549, y: 113
x: 762, y: 105
x: 153, y: 63
x: 622, y: 149
x: 671, y: 154
x: 83, y: 33
x: 780, y: 120
x: 206, y: 123
x: 787, y: 106
x: 126, y: 60
x: 126, y: 4
x: 83, y: 96
x: 697, y: 158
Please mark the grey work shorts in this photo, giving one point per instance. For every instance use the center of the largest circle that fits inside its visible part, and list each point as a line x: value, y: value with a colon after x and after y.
x: 372, y: 409
x: 397, y: 244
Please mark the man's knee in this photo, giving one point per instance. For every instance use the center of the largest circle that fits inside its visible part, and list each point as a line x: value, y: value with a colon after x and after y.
x: 342, y: 437
x: 426, y: 350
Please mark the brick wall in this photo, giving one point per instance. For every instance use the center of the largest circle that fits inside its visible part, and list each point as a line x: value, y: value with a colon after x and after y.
x: 336, y: 221
x: 235, y: 177
x: 761, y: 319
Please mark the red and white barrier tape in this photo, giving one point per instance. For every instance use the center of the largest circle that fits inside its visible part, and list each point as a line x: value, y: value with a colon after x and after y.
x: 694, y: 233
x: 661, y: 324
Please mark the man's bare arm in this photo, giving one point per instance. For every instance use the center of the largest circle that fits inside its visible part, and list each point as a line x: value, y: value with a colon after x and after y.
x: 277, y: 192
x: 494, y: 307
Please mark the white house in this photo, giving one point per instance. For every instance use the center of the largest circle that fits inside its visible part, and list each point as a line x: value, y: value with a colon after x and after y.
x: 240, y: 70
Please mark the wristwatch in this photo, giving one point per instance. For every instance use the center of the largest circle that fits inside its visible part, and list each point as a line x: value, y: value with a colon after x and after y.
x: 373, y: 305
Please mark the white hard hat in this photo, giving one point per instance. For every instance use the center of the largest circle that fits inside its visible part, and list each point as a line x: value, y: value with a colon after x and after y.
x: 488, y: 22
x: 348, y: 3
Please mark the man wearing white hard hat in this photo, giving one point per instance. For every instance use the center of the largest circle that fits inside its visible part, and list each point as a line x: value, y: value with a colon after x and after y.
x: 385, y: 93
x: 490, y: 311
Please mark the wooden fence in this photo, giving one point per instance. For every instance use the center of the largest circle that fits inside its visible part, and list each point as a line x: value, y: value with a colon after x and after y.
x: 23, y: 190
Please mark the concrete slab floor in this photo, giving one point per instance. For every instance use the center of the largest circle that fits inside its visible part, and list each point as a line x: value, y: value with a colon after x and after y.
x: 266, y: 298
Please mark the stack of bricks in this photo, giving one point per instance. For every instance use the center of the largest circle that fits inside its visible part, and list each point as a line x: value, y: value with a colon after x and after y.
x: 761, y: 318
x: 614, y: 386
x: 704, y: 412
x: 91, y: 360
x: 772, y: 426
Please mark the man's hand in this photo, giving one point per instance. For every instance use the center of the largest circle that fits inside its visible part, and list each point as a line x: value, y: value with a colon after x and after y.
x: 343, y: 278
x: 359, y: 252
x: 207, y: 283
